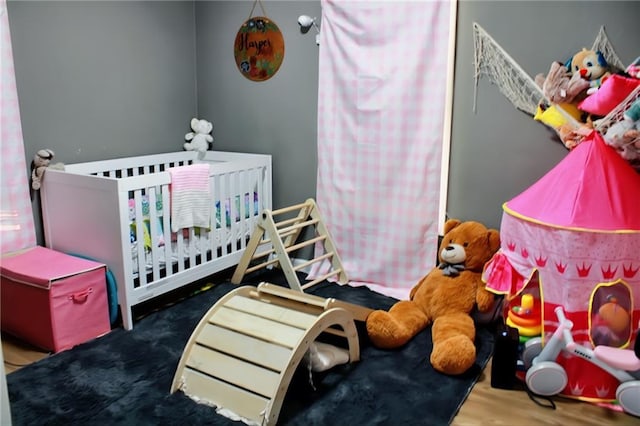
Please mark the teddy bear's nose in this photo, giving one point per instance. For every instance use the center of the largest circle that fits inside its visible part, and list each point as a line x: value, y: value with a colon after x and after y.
x: 583, y: 72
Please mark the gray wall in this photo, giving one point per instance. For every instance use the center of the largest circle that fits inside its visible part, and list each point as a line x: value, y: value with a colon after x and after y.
x: 498, y: 152
x: 277, y: 116
x: 101, y: 80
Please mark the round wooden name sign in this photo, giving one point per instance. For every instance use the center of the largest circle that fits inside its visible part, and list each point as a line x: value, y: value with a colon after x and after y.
x: 259, y: 48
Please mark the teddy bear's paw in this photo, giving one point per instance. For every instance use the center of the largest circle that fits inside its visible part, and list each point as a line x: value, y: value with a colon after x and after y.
x: 485, y: 300
x: 385, y: 331
x: 454, y: 355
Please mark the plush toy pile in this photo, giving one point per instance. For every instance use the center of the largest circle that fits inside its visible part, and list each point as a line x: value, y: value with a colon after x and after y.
x: 446, y: 298
x: 587, y: 91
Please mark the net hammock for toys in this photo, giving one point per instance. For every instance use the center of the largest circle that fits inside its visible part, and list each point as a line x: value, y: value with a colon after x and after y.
x: 492, y: 61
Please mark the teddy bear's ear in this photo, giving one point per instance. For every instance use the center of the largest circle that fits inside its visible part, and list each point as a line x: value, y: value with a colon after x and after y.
x: 493, y: 240
x: 194, y: 123
x: 450, y: 224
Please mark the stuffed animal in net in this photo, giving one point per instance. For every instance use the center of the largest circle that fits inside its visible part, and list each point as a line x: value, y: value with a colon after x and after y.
x: 445, y: 298
x: 633, y: 70
x: 199, y: 139
x: 592, y: 66
x: 559, y: 86
x: 624, y: 135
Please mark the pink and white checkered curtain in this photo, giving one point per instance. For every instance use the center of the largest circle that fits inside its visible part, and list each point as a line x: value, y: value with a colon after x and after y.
x: 381, y: 110
x: 16, y: 217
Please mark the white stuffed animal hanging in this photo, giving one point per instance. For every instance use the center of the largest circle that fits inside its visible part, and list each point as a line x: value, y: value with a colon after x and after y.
x: 40, y: 162
x: 200, y: 138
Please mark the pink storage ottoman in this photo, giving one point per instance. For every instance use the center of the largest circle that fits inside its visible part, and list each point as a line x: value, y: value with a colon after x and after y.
x: 53, y: 300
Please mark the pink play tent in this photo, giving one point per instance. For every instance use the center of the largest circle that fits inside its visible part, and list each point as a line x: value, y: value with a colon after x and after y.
x: 573, y: 239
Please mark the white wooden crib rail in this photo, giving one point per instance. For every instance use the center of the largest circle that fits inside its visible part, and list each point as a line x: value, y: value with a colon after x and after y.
x: 133, y: 166
x: 96, y: 209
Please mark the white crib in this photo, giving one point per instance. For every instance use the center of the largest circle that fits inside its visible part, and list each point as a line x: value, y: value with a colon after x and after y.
x: 118, y: 212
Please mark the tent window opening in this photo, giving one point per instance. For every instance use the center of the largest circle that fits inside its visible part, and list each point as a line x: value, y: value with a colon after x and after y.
x: 610, y: 314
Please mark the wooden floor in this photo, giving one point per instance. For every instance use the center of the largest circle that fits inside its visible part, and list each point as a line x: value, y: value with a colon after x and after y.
x: 485, y: 406
x: 488, y: 406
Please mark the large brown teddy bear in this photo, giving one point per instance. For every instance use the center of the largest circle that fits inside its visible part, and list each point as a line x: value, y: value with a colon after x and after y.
x: 445, y: 297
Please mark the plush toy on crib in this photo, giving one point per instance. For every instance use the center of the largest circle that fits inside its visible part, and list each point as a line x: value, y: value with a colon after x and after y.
x: 40, y: 162
x: 592, y: 66
x: 200, y: 137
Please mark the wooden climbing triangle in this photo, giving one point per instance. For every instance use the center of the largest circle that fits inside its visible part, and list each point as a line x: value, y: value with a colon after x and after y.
x: 278, y: 235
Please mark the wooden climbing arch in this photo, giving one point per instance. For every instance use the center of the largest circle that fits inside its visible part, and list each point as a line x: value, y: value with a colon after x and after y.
x: 243, y: 353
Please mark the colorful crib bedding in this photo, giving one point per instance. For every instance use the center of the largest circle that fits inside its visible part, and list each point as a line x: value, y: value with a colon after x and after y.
x: 251, y: 204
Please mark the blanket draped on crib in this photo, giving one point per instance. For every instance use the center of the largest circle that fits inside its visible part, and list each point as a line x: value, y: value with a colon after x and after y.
x: 381, y: 99
x: 190, y: 197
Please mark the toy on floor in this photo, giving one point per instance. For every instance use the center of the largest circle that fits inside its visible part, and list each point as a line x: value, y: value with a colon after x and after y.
x: 243, y: 353
x: 526, y: 317
x: 610, y: 324
x: 546, y: 377
x: 199, y: 139
x: 445, y: 297
x: 277, y: 234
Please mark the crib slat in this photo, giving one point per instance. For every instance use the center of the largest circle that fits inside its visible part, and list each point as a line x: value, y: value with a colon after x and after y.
x: 153, y: 232
x: 166, y: 228
x: 139, y: 226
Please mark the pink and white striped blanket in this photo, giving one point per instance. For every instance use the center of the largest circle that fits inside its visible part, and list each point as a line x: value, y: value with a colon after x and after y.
x: 190, y: 196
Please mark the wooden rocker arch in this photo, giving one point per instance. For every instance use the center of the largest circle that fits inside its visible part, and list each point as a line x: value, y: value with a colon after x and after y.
x: 243, y: 353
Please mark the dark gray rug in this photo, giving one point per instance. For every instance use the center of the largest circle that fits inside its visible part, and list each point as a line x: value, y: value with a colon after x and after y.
x: 124, y: 377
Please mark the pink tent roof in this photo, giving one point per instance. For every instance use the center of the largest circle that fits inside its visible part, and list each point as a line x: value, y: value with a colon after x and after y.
x: 592, y: 188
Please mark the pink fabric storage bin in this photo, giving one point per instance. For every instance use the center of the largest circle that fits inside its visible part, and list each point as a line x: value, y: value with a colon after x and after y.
x: 53, y: 300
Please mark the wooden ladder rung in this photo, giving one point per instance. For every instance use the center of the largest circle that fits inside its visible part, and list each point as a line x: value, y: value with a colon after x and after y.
x: 264, y: 253
x: 298, y: 225
x: 312, y: 261
x: 307, y: 204
x: 305, y: 243
x: 322, y: 278
x: 262, y: 265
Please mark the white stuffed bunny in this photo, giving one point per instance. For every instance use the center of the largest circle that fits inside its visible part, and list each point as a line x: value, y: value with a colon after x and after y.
x: 200, y: 137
